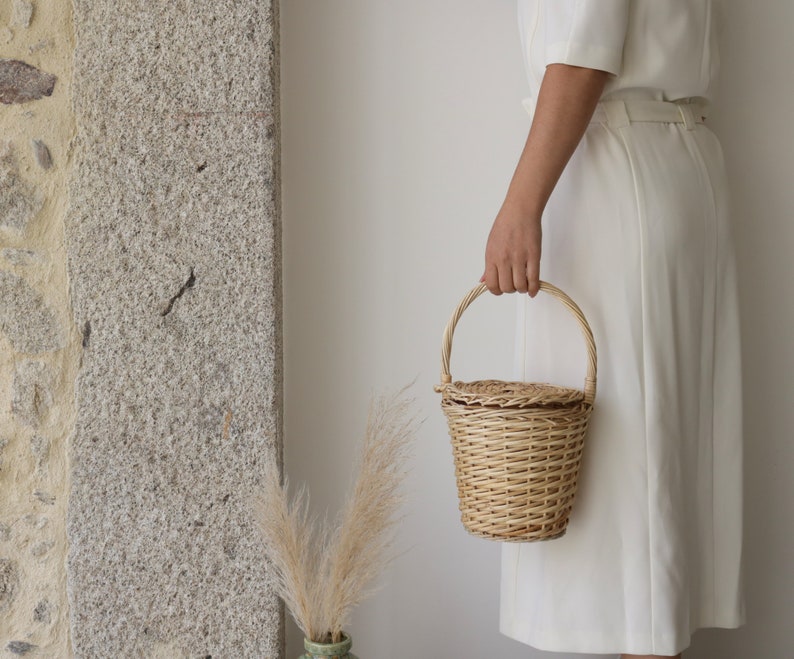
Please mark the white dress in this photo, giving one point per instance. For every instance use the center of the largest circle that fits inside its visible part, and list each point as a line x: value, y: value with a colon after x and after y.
x: 637, y: 232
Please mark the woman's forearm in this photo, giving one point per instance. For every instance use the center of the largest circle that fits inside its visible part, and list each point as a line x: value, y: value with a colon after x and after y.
x: 566, y: 101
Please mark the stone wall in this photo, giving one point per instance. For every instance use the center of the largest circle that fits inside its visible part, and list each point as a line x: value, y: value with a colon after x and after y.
x: 140, y: 326
x: 39, y: 344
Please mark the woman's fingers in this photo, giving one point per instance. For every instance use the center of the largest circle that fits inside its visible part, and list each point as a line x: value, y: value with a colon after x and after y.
x: 509, y: 278
x: 533, y: 262
x: 512, y: 254
x: 506, y: 278
x: 491, y: 278
x: 533, y: 288
x: 520, y: 277
x: 533, y: 277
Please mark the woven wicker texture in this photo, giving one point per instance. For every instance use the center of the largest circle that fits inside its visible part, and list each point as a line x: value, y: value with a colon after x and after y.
x: 517, y: 446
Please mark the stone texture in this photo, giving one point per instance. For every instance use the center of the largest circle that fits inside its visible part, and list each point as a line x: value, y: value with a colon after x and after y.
x: 9, y: 583
x: 20, y: 82
x: 25, y: 319
x: 179, y: 395
x: 21, y: 13
x: 42, y: 154
x: 45, y: 497
x: 43, y: 612
x: 34, y: 521
x: 20, y: 647
x: 20, y: 256
x: 32, y: 393
x: 43, y: 44
x: 19, y: 200
x: 40, y: 349
x: 40, y: 448
x: 41, y: 548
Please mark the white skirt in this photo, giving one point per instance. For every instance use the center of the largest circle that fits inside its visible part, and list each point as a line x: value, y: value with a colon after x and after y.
x: 637, y: 233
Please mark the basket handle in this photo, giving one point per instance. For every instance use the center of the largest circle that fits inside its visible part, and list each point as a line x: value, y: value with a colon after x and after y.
x: 474, y: 293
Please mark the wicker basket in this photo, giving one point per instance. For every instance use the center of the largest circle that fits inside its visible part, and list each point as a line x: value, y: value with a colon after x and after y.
x: 517, y: 445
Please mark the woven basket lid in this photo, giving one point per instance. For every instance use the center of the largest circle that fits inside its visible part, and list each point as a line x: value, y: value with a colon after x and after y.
x: 498, y: 393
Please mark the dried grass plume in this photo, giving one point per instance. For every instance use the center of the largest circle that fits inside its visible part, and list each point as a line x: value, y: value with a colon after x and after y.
x: 322, y: 571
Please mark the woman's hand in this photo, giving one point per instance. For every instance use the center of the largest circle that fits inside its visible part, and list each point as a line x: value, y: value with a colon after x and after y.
x: 567, y: 98
x: 512, y: 255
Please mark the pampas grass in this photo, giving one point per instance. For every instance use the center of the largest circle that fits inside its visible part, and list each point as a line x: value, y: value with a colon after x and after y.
x: 322, y: 571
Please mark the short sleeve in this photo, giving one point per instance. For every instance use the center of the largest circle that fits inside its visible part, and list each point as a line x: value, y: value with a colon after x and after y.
x: 588, y: 33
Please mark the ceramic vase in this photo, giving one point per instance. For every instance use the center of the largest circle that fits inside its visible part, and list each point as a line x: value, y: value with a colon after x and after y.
x: 339, y: 650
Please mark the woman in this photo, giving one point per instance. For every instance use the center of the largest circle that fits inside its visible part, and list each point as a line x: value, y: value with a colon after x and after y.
x: 621, y: 187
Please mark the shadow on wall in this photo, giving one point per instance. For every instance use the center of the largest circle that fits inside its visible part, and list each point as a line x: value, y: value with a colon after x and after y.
x: 759, y: 149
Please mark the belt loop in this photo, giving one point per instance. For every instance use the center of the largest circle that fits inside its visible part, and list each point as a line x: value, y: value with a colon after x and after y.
x: 617, y: 115
x: 687, y: 115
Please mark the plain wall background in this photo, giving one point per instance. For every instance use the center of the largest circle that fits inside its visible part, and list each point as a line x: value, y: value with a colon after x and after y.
x: 402, y: 124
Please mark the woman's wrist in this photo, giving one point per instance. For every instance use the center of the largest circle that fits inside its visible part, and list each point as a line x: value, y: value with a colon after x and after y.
x: 527, y: 209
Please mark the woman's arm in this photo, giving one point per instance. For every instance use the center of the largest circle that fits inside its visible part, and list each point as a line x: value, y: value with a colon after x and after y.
x: 566, y: 102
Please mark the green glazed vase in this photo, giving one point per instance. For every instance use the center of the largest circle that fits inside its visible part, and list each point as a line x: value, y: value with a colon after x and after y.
x: 339, y: 650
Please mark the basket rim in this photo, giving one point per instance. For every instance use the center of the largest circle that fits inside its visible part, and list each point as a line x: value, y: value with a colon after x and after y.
x: 504, y: 393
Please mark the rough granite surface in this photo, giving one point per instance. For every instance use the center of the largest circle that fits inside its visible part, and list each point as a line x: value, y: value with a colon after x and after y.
x: 21, y: 82
x: 9, y: 583
x: 19, y: 200
x: 173, y: 244
x: 25, y: 318
x: 21, y: 13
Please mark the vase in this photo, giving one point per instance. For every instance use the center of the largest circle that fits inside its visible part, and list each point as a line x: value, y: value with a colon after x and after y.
x: 339, y: 650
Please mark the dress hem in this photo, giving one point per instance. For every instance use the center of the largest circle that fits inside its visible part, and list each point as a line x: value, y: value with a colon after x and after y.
x: 592, y: 645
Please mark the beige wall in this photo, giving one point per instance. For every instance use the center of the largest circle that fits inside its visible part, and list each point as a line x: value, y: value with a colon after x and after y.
x: 753, y: 119
x: 402, y: 122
